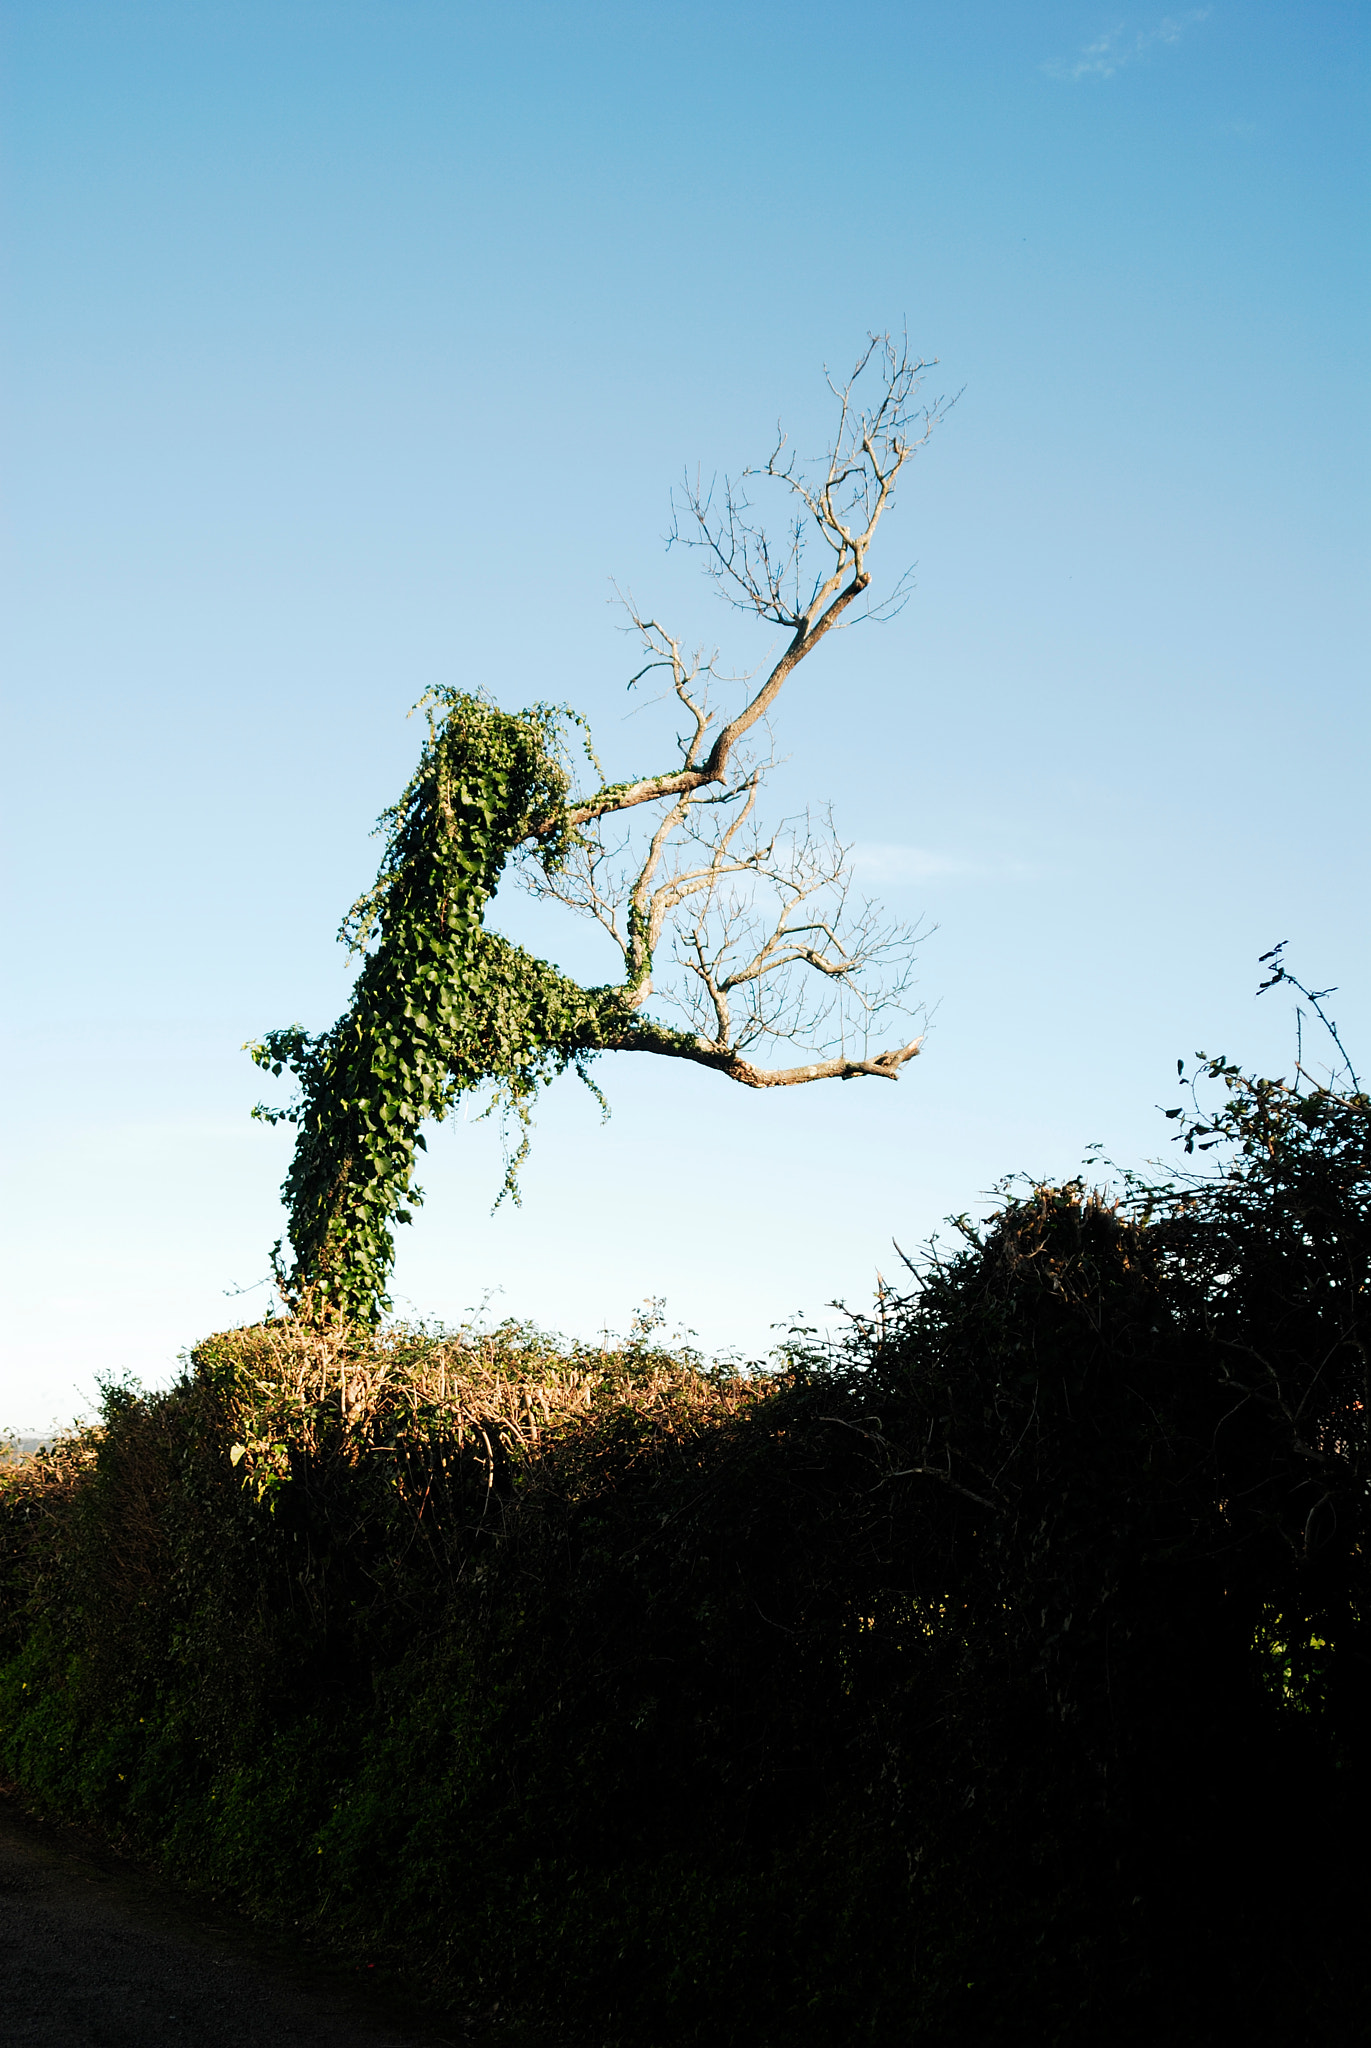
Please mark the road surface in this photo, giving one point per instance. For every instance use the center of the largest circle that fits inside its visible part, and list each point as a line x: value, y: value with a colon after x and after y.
x: 94, y: 1953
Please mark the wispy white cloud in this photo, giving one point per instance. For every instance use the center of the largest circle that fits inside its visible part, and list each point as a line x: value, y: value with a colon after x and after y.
x: 1119, y: 46
x: 890, y: 866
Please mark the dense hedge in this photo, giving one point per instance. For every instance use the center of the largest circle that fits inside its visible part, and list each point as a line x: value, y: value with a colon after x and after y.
x: 1002, y: 1675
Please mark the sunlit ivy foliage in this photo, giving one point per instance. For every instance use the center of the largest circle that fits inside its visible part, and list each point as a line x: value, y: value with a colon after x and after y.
x: 442, y: 1006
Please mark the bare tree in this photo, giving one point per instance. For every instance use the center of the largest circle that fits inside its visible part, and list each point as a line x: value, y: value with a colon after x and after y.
x: 768, y: 940
x: 743, y: 936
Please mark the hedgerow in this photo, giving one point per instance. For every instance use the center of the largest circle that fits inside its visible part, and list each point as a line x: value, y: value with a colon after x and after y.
x: 1000, y: 1673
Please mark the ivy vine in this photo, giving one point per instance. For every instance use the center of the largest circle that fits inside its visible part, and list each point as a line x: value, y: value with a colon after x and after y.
x: 441, y: 1006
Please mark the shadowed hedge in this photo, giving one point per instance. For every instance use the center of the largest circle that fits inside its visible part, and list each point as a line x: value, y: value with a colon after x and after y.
x: 1002, y: 1674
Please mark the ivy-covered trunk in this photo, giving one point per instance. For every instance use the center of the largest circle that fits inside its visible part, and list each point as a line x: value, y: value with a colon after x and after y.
x: 441, y: 1006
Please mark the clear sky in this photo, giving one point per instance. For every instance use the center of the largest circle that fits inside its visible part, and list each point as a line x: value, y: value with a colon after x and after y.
x: 352, y: 348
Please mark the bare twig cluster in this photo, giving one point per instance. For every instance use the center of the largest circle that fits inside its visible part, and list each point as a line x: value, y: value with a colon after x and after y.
x: 767, y: 940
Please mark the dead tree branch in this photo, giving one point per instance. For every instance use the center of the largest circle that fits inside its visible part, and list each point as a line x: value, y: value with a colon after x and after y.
x: 767, y: 940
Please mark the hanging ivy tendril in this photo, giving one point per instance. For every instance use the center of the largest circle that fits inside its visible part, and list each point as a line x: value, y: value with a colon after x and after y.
x: 441, y: 1006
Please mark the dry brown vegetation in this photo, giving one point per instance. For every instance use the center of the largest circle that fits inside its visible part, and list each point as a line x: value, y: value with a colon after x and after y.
x: 513, y: 1391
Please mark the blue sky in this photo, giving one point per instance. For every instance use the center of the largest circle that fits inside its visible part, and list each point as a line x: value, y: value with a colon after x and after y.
x: 350, y: 349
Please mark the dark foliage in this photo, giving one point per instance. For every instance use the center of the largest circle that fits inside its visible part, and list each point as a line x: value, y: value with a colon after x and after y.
x: 1001, y: 1676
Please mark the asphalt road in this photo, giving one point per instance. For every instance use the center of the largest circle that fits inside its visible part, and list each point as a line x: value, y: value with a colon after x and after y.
x: 94, y: 1953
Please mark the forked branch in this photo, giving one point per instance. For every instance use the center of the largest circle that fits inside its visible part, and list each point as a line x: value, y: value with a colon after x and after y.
x: 836, y: 510
x: 768, y: 942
